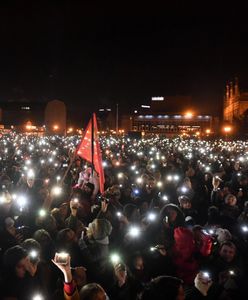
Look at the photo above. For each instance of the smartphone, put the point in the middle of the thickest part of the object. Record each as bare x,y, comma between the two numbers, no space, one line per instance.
62,258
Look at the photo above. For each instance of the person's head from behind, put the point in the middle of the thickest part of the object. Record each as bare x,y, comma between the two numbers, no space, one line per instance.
15,261
92,291
164,287
227,251
66,238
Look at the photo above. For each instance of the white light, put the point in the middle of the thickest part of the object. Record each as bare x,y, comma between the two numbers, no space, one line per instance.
136,191
139,180
151,217
119,214
28,162
38,297
245,228
22,201
176,177
42,213
134,231
120,175
165,198
115,258
2,199
133,168
56,190
152,249
231,272
104,164
33,254
30,173
205,274
184,189
157,98
159,184
169,178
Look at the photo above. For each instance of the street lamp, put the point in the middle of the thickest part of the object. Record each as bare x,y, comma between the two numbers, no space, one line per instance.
189,114
55,127
227,129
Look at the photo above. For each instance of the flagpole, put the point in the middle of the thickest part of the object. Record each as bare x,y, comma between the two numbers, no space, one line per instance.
92,144
69,166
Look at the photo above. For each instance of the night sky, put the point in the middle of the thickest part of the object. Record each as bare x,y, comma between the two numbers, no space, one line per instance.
81,52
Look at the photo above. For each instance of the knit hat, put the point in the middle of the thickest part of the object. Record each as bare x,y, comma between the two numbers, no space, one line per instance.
13,255
223,235
100,229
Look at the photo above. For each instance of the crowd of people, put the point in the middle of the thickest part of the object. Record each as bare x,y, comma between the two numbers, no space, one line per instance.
172,222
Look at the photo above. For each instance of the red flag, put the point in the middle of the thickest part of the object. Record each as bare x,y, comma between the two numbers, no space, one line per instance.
86,152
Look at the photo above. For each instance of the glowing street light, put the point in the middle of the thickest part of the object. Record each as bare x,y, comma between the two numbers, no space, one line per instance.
55,127
188,115
227,129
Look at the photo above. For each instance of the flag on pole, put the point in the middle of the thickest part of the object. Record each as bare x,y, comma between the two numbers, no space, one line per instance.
89,149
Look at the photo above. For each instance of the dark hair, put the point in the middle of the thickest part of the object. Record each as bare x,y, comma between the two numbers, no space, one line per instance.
228,244
62,238
31,244
11,258
90,291
163,287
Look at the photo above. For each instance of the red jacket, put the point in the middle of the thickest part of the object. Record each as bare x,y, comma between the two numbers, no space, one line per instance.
184,251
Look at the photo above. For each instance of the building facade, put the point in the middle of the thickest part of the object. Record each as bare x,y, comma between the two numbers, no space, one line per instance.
235,103
170,116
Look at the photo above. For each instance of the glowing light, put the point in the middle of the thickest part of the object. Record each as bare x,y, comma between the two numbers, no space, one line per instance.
33,253
30,174
115,258
42,213
188,115
165,198
205,274
227,129
56,190
37,297
245,228
151,217
134,231
159,184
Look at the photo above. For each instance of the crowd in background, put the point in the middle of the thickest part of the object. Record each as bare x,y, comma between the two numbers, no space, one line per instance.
171,224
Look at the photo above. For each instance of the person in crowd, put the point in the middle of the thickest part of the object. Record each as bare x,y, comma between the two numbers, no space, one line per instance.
174,210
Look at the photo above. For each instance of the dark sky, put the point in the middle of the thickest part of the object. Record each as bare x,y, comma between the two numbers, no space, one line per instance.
90,55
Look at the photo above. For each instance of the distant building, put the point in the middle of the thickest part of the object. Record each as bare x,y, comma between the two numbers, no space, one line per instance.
106,119
31,117
170,116
18,113
235,103
55,117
